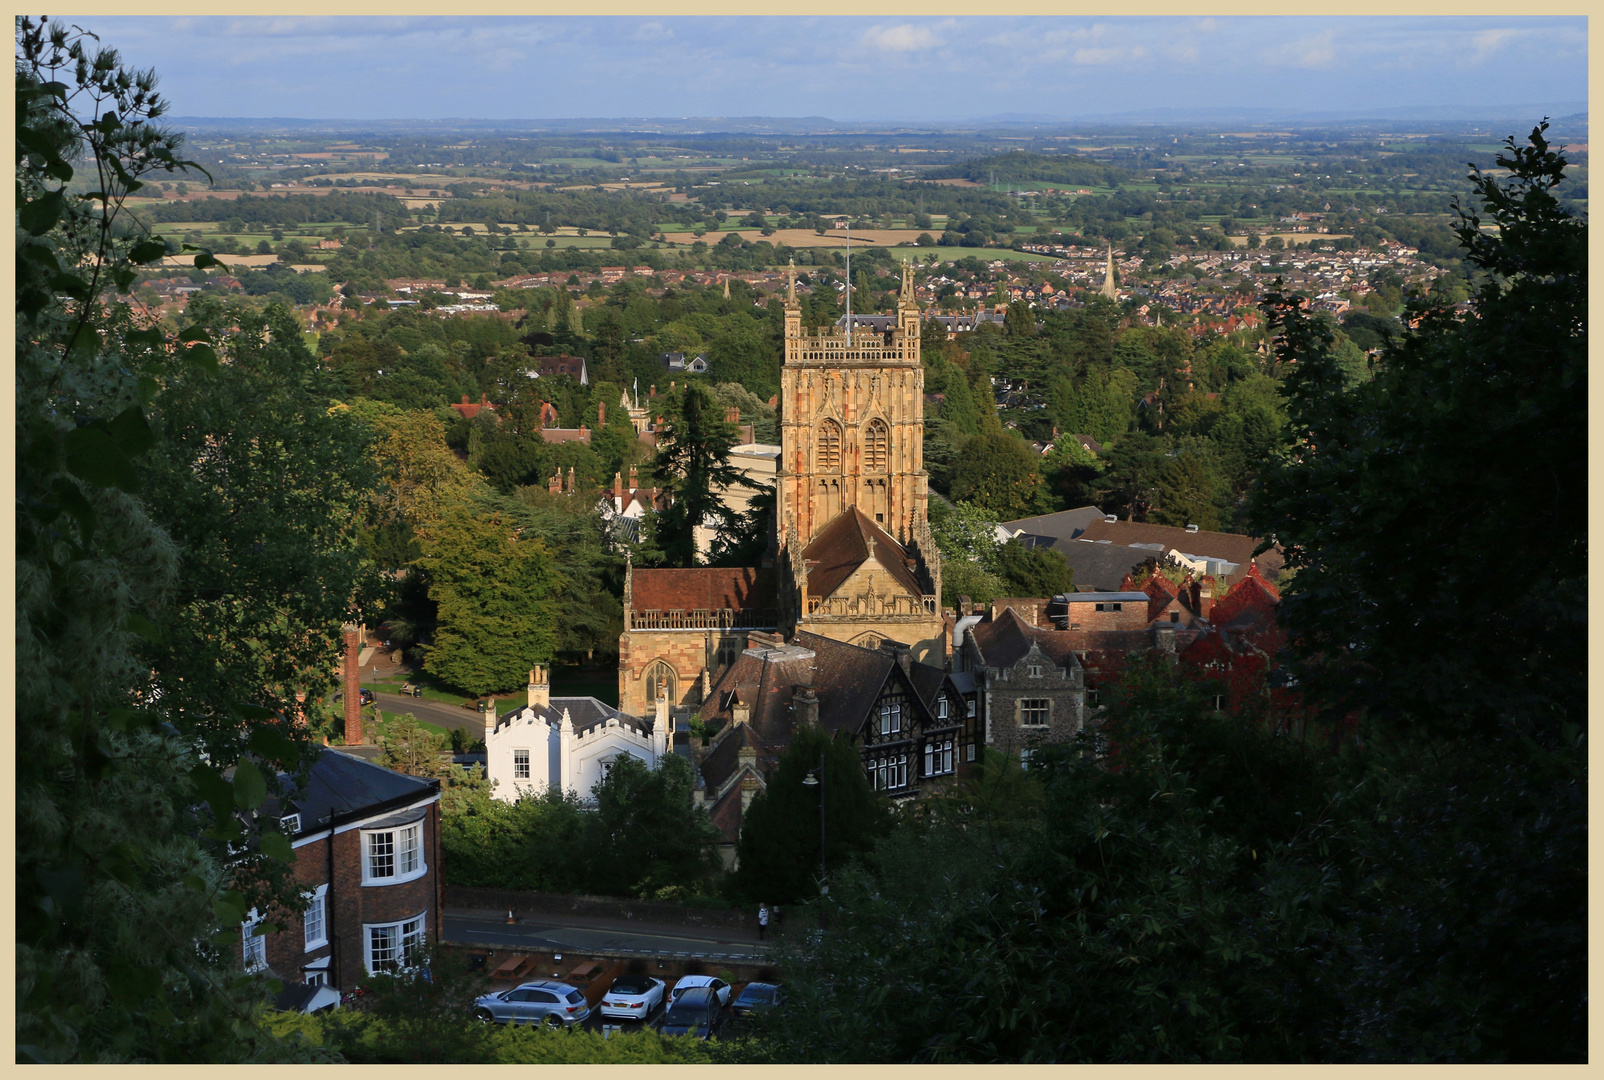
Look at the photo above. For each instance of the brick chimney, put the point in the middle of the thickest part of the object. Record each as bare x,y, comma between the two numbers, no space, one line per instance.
634,478
653,391
555,484
1205,596
539,687
601,414
805,704
570,479
618,492
732,415
353,688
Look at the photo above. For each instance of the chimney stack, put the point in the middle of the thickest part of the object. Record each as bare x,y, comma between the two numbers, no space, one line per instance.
806,707
1205,596
539,687
353,688
634,478
601,414
618,492
555,484
732,415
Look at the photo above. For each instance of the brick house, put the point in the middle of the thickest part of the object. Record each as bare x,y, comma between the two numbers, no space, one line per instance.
367,852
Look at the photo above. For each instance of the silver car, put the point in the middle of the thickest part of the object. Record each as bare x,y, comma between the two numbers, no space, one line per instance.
544,1002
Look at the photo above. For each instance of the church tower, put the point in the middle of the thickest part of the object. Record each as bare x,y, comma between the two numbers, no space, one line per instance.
852,491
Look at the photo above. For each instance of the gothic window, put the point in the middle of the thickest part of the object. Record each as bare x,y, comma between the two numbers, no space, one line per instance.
828,455
876,444
660,680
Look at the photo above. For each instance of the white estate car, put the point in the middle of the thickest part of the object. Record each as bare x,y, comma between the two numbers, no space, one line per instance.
720,988
633,997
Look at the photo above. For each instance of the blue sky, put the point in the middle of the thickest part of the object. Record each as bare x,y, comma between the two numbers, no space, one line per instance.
848,69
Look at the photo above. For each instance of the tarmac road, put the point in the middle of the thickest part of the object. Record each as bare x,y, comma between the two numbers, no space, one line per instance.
448,716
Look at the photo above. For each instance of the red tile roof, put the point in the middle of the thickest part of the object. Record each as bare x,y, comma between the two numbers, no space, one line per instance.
702,589
843,545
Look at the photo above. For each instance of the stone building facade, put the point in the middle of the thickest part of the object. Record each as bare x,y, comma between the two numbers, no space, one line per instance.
1032,685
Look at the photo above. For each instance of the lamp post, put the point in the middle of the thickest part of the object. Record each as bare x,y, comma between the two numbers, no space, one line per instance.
815,778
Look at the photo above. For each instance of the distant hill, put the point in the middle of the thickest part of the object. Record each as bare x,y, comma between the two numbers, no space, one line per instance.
1021,165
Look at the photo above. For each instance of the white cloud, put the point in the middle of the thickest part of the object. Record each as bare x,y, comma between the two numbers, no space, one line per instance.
652,31
903,38
1310,52
1490,41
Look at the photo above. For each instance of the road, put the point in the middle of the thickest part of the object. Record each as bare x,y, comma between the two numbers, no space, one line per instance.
448,716
545,933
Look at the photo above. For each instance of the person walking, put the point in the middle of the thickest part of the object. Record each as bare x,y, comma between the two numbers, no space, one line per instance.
762,922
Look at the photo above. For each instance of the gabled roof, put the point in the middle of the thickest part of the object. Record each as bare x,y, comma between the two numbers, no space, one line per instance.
702,589
1101,566
1007,639
843,545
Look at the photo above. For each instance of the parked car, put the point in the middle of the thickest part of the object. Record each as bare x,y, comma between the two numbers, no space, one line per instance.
633,997
758,996
692,982
542,1001
365,697
694,1011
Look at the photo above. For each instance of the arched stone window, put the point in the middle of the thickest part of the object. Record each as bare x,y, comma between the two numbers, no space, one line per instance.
876,447
827,454
660,679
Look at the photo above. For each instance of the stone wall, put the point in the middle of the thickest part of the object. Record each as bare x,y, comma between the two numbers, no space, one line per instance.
601,907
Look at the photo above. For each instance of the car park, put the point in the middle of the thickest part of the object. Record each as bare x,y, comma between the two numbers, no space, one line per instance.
633,997
720,988
696,1011
758,996
542,1001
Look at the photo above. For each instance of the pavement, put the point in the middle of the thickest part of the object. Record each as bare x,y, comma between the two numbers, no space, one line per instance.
600,935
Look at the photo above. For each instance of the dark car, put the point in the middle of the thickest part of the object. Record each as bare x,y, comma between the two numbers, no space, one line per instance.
694,1012
758,996
542,1001
365,697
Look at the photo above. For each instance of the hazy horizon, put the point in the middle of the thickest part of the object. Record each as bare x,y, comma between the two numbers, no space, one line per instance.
855,71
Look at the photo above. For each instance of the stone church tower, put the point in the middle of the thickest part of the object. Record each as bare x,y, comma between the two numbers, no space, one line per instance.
857,560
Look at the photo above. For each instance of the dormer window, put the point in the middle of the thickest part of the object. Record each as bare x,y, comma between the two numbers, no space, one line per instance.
290,823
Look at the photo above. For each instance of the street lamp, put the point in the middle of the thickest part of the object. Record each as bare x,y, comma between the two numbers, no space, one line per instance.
815,778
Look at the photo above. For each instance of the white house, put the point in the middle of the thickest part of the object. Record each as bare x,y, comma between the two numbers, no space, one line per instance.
567,743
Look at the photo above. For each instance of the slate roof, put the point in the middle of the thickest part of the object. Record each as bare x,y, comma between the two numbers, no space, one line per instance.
584,713
843,545
1006,640
341,786
702,589
1231,547
1064,525
1101,566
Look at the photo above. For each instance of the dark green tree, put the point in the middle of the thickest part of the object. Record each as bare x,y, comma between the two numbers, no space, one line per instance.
134,862
647,838
1034,571
778,853
996,471
693,465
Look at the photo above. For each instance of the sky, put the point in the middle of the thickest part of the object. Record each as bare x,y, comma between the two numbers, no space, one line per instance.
848,69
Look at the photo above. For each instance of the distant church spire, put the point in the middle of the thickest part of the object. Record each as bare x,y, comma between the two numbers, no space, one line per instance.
1108,278
790,283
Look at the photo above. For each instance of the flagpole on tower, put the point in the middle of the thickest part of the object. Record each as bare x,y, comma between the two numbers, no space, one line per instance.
849,282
